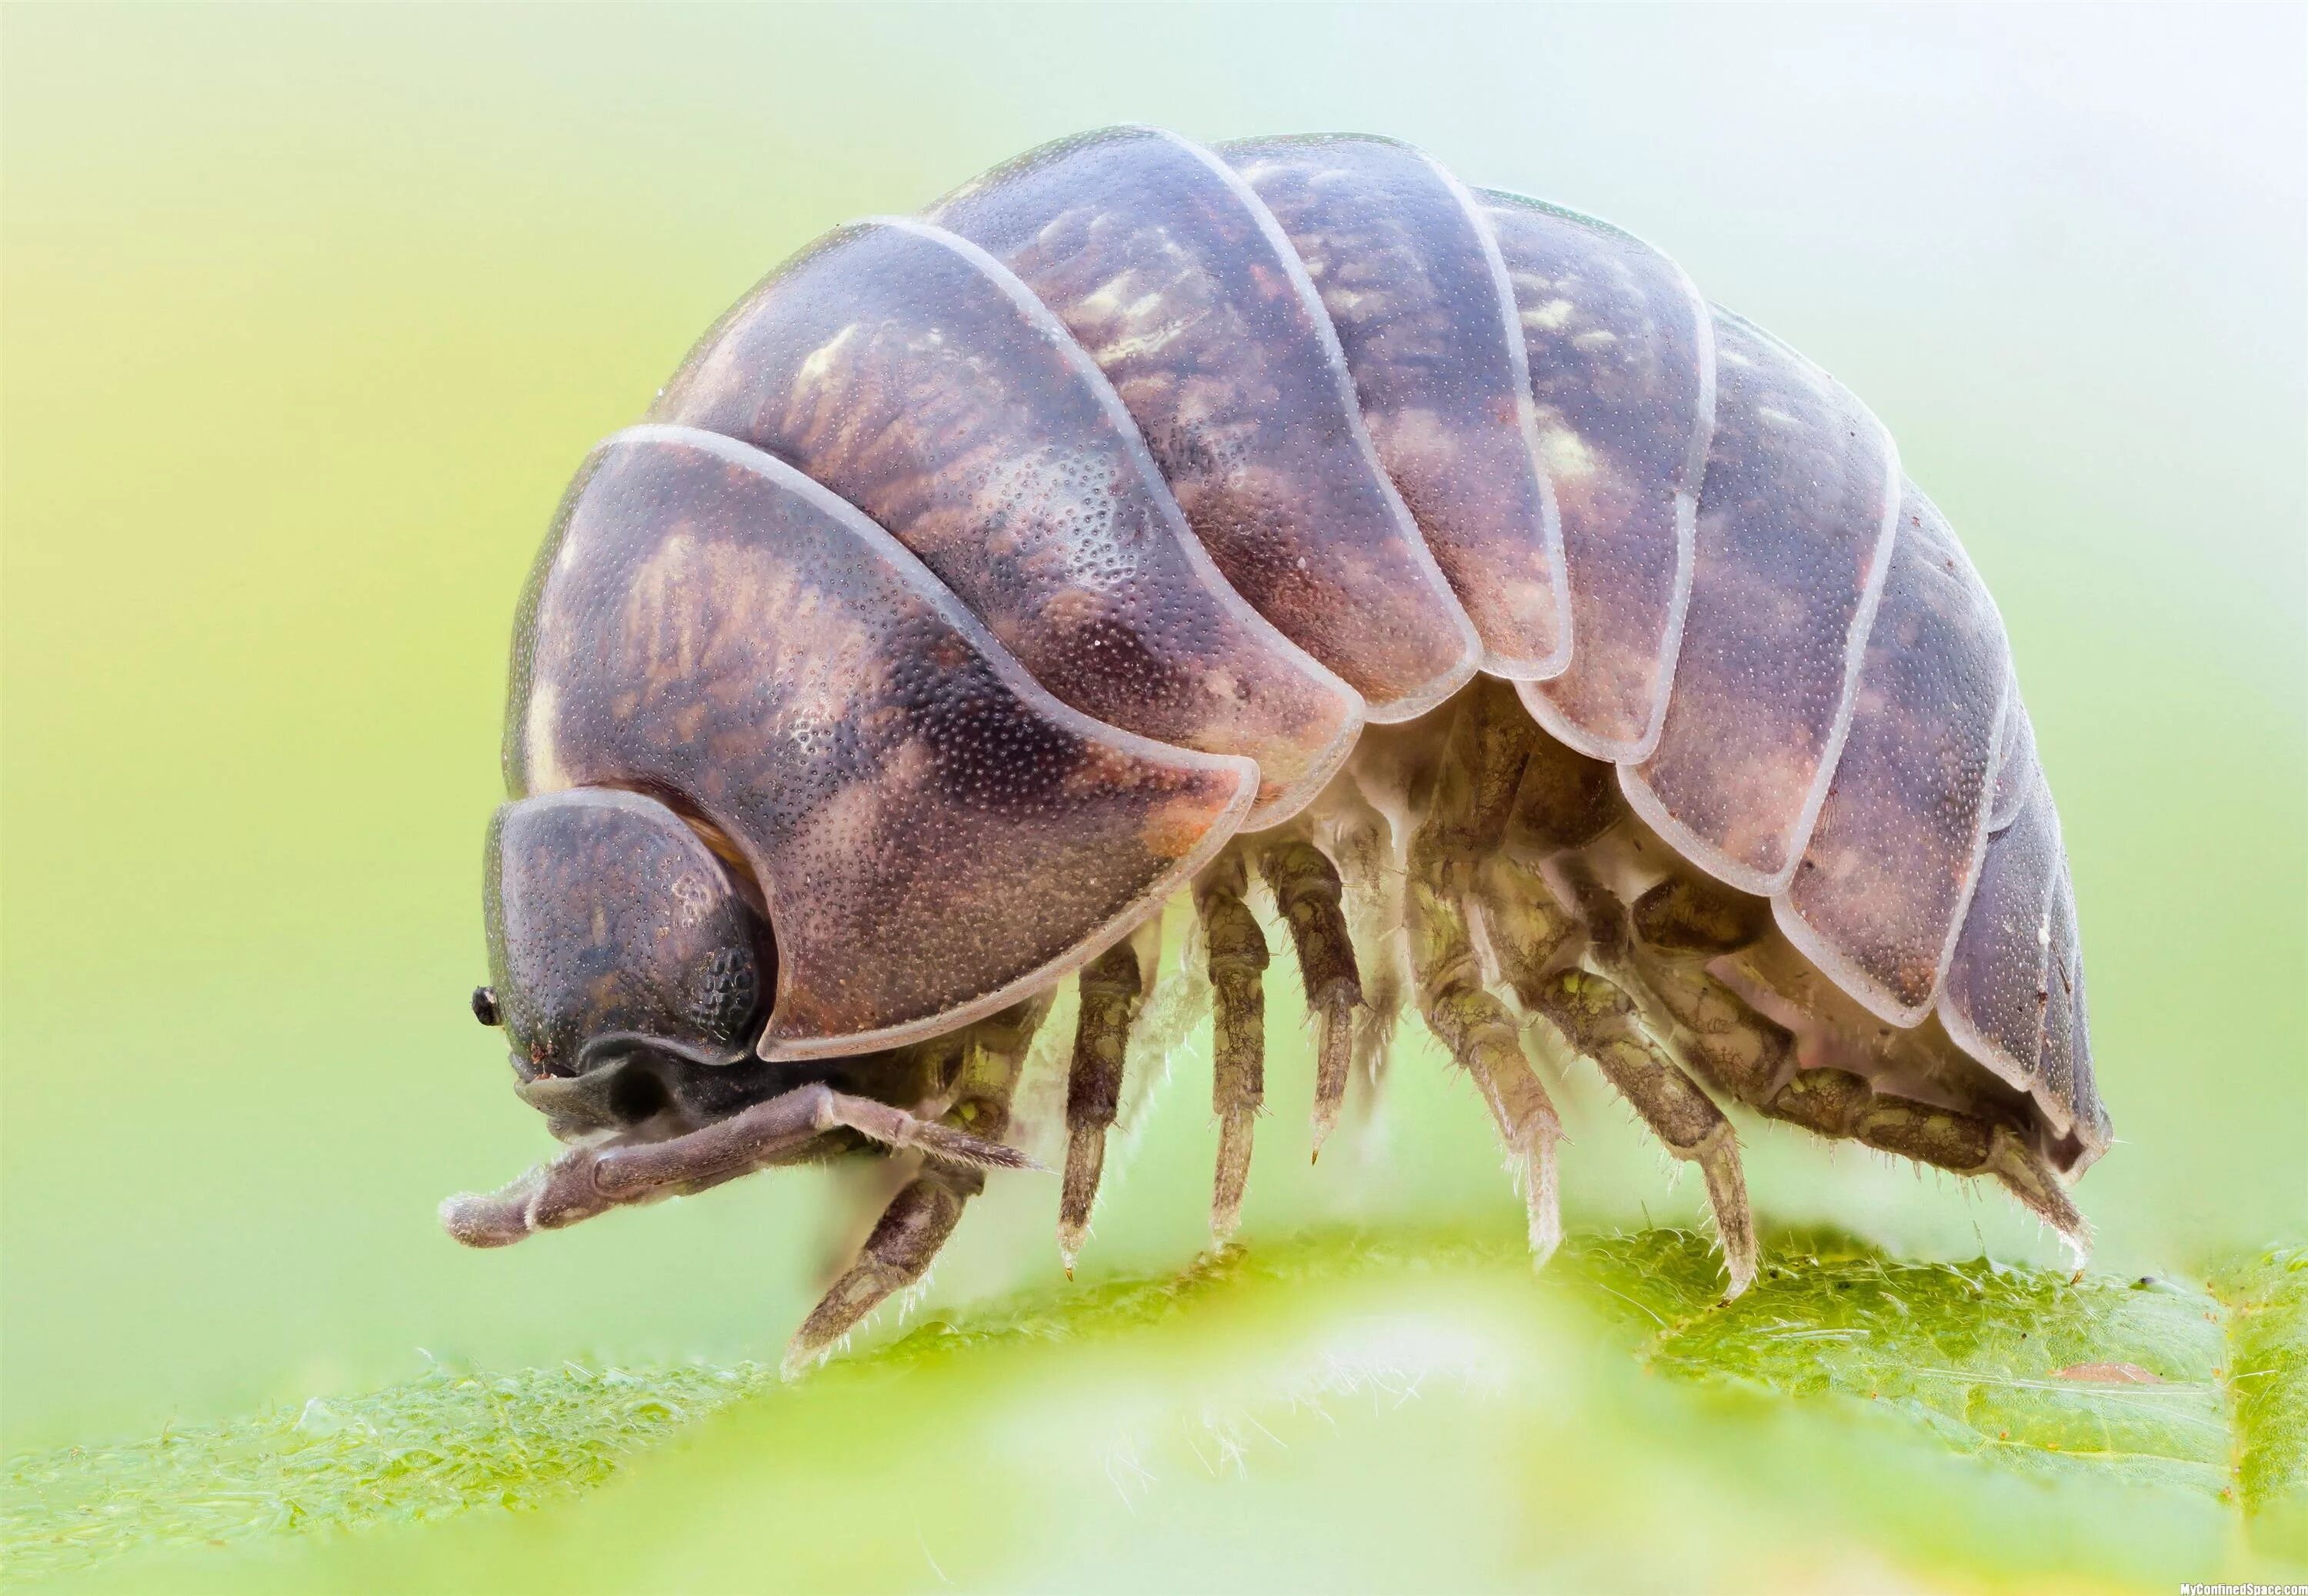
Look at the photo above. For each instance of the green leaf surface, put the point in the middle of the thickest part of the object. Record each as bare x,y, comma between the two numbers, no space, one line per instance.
1347,1410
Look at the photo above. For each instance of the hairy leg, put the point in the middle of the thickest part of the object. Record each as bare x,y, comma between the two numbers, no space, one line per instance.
1676,927
1237,950
1835,1102
920,1219
1113,988
1531,932
1307,890
1598,1020
1370,869
856,1190
1464,821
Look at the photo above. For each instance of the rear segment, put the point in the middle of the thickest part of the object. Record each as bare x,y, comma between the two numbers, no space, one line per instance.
2013,996
1880,892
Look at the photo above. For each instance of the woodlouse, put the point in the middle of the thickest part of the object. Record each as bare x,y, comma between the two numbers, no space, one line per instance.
1560,652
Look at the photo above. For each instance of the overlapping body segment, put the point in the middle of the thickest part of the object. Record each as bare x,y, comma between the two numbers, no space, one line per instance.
1621,352
988,582
1888,870
709,627
1170,274
904,369
1413,280
2013,995
2017,773
1793,542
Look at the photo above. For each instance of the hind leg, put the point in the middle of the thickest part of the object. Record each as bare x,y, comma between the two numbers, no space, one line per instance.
1531,932
1835,1102
1597,1018
1680,925
920,1219
1465,820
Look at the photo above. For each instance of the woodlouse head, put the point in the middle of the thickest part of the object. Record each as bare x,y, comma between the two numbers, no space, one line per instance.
626,966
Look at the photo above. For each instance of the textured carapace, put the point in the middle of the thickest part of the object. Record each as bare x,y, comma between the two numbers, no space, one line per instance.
708,623
1283,524
908,373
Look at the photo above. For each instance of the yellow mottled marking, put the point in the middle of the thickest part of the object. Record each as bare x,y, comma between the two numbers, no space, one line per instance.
664,627
1552,316
545,773
1567,454
820,362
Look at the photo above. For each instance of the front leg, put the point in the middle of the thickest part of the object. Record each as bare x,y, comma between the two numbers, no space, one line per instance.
920,1219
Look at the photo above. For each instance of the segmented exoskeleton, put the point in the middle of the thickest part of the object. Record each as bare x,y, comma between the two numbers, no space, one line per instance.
1563,656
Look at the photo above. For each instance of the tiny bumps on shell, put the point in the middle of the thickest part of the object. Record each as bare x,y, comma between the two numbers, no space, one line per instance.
1287,521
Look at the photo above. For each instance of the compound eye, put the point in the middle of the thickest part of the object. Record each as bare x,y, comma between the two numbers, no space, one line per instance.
485,1006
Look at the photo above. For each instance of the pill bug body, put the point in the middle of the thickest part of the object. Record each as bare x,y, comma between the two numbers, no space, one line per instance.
1557,654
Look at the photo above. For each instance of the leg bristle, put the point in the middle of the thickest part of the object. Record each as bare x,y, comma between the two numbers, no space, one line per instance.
1237,966
1236,1129
1085,1164
946,1145
1113,988
1334,1039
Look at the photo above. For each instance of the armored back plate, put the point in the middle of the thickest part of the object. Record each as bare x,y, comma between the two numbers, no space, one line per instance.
934,835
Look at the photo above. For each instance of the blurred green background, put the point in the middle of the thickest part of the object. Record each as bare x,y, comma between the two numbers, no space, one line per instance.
308,314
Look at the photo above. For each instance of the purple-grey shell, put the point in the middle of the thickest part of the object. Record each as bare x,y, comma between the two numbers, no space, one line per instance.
1172,276
904,369
1879,893
1622,358
1234,451
1793,541
707,621
1414,283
